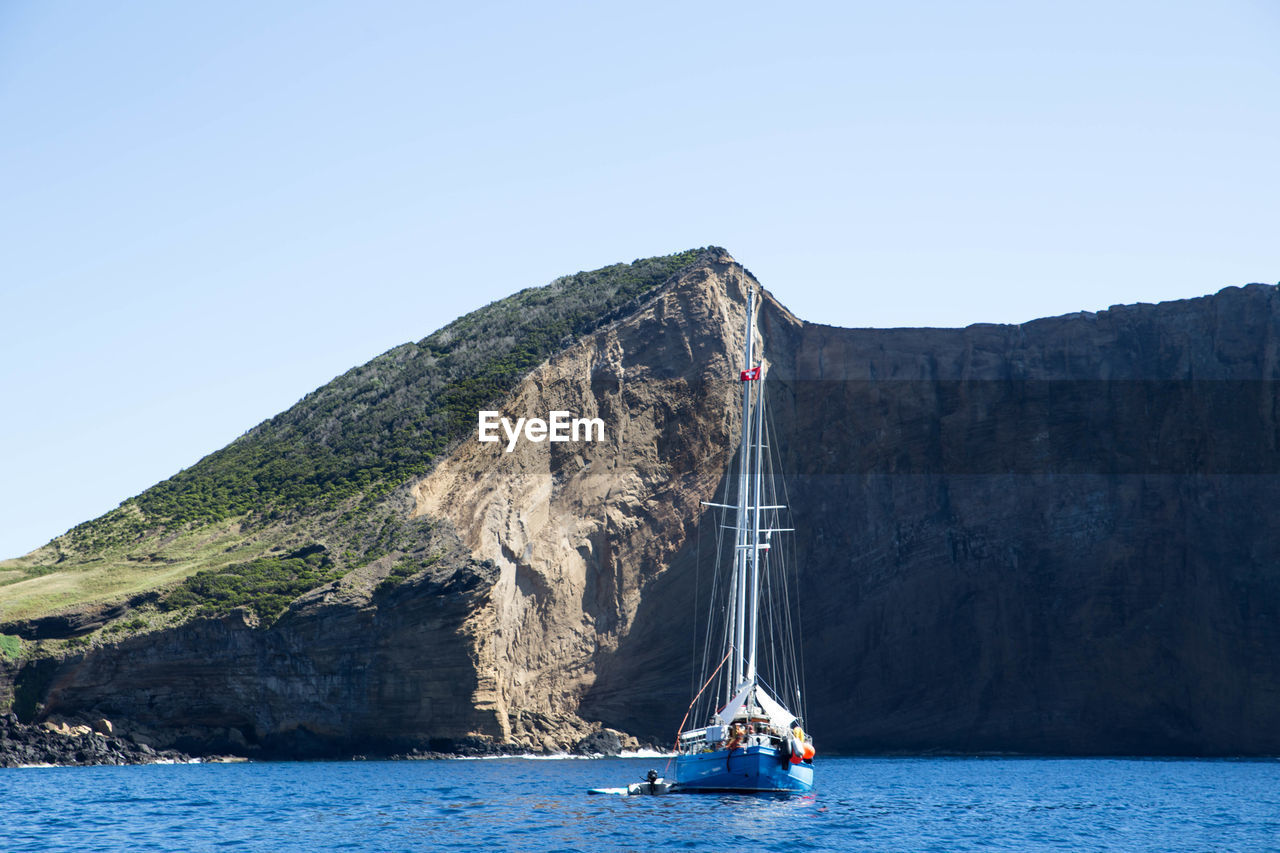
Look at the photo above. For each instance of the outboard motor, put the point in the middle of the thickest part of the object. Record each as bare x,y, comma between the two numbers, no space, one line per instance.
653,784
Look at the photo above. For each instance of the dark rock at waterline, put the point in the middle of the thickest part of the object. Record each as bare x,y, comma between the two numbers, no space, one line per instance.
25,745
603,742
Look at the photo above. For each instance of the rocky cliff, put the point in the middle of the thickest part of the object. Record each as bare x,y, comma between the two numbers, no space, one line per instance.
1050,537
508,575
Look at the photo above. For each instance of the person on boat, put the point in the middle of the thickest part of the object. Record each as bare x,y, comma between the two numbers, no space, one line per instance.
736,734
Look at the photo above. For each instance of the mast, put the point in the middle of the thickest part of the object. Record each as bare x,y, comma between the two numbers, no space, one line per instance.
741,550
755,549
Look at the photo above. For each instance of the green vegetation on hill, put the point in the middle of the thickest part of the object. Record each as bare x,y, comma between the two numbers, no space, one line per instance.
407,567
266,585
382,423
10,647
225,532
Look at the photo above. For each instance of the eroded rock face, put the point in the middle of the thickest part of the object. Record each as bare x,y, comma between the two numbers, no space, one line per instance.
338,674
573,532
580,529
1052,537
1049,537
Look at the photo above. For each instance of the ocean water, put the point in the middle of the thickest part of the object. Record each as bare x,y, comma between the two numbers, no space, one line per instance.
880,804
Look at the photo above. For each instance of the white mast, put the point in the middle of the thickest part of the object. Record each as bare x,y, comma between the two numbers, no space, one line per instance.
755,549
741,550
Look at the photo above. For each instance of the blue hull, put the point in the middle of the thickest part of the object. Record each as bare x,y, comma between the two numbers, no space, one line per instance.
755,769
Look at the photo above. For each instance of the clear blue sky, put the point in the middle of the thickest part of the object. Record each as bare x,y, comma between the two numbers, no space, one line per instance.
208,210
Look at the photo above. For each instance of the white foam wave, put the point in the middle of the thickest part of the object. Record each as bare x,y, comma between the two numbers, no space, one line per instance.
646,753
527,756
565,756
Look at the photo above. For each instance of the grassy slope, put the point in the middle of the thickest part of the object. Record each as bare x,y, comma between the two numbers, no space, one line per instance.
323,469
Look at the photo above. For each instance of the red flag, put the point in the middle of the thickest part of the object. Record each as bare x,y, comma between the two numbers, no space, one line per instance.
748,375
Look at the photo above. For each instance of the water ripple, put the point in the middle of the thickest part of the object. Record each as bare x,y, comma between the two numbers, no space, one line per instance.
946,804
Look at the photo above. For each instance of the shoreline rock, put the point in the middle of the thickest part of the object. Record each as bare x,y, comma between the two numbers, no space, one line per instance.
60,744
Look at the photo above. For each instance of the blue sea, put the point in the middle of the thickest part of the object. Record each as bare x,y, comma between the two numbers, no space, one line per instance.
880,804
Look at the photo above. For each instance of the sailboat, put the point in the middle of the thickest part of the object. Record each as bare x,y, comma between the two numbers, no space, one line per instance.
749,740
